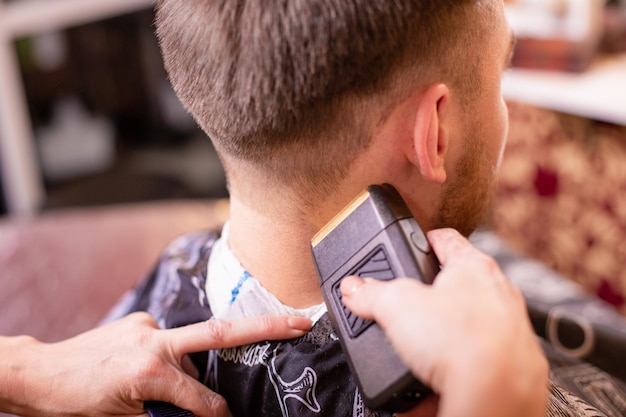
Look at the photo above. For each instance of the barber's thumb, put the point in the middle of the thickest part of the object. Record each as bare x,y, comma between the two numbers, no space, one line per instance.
351,284
360,294
378,300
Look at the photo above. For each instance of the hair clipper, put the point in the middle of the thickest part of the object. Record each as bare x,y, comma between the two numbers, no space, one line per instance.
375,236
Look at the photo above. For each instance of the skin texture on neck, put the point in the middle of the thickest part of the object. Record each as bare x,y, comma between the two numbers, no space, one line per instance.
276,250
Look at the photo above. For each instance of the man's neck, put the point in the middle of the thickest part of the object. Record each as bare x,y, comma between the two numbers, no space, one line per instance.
276,251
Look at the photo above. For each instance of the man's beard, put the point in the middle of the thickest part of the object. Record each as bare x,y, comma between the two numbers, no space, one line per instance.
466,201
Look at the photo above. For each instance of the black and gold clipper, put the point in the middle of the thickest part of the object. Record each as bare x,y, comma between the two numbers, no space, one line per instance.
375,236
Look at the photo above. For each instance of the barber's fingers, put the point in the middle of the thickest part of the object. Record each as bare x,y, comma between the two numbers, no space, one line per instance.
461,260
219,334
452,247
214,334
172,386
377,299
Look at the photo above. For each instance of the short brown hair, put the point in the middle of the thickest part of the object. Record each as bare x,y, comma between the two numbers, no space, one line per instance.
281,84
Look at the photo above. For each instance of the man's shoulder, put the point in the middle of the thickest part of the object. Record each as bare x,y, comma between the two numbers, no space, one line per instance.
174,292
190,245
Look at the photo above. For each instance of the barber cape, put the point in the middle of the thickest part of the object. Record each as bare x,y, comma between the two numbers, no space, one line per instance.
198,278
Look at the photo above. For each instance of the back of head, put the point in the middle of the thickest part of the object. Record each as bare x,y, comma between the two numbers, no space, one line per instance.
295,87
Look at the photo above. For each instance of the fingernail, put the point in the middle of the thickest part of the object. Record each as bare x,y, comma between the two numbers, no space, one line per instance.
351,285
302,324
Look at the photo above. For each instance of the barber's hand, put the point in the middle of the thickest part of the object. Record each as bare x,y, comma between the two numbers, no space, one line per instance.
467,336
111,370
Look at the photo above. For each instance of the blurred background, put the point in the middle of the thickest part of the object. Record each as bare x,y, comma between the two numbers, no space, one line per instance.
97,107
89,122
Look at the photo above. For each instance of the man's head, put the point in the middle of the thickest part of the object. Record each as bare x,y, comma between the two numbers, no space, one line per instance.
295,91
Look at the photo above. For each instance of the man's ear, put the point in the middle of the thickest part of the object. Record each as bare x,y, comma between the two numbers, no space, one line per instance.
430,140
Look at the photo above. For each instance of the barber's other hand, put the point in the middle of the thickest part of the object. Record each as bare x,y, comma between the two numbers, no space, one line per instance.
111,370
467,336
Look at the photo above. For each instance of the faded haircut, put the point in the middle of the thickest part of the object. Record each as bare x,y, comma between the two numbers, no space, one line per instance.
295,88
